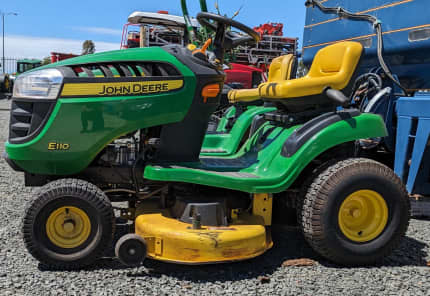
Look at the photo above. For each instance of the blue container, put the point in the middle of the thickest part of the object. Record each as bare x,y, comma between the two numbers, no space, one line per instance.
406,27
412,161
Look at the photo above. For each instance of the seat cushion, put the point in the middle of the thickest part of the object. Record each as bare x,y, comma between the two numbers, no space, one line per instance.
333,67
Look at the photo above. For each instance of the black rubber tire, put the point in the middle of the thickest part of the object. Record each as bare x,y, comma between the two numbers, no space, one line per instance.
325,195
126,242
76,193
307,181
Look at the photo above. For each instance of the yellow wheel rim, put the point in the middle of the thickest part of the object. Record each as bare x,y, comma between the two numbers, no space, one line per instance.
363,216
6,84
68,227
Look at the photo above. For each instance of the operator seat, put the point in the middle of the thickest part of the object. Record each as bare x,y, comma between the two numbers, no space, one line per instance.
333,67
280,69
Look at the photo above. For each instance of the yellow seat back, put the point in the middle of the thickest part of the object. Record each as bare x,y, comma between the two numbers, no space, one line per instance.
333,66
281,68
338,62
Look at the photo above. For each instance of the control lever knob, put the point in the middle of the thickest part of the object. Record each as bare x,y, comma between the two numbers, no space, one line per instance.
337,96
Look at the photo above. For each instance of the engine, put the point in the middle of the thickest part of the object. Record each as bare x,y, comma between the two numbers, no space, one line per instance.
122,153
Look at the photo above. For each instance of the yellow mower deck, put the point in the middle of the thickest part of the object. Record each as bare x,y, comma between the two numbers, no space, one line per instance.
171,240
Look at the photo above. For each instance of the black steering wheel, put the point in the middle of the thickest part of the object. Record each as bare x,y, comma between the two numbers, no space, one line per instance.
226,40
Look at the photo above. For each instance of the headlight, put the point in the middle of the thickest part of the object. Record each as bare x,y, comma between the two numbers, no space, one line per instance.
43,84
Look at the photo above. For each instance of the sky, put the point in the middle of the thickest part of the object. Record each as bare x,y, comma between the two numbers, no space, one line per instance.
43,26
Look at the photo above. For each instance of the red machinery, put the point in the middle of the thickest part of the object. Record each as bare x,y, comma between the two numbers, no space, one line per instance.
58,56
275,29
132,40
246,76
251,63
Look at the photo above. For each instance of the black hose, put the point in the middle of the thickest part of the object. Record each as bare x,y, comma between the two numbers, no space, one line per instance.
342,13
366,77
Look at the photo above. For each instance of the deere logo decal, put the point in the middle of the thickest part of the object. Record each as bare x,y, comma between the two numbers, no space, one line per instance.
133,89
120,88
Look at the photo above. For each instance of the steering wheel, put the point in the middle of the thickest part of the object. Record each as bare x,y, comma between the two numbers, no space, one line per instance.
226,40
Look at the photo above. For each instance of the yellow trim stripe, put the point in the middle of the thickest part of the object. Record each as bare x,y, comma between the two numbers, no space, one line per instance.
361,12
120,88
366,36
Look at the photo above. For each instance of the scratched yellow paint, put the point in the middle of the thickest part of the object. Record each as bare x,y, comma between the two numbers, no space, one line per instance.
262,206
173,241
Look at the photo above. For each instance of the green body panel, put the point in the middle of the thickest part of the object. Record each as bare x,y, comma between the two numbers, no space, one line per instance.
227,143
262,168
105,118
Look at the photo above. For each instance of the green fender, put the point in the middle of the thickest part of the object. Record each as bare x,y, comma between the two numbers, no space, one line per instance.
263,169
364,126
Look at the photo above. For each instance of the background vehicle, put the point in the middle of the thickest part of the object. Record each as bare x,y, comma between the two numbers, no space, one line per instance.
59,56
25,65
161,28
6,81
156,29
403,101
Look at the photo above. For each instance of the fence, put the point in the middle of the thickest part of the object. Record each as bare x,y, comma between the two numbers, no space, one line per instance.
9,65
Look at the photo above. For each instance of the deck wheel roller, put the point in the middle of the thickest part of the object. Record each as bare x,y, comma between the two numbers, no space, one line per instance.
131,250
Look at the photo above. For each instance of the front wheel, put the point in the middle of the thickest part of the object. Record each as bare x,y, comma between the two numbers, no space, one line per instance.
69,225
355,212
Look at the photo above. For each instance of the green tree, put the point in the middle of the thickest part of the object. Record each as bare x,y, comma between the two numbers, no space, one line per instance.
88,47
46,61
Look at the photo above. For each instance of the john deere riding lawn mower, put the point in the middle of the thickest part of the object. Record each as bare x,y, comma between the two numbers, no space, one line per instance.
91,141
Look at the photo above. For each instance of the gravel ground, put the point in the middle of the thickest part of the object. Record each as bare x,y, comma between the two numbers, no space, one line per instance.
403,273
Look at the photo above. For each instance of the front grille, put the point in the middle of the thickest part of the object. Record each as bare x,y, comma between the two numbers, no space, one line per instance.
27,119
123,69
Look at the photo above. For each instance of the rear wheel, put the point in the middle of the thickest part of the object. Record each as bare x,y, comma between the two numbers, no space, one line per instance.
355,212
69,225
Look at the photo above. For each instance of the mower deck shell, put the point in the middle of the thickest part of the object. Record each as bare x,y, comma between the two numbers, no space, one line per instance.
171,240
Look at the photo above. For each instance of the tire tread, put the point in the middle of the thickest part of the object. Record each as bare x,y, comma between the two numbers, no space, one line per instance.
314,198
51,191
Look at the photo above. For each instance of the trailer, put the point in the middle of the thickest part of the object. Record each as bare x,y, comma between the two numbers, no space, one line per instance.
147,29
59,56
